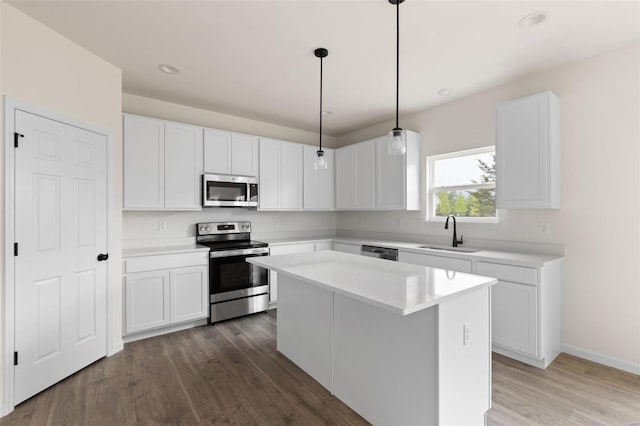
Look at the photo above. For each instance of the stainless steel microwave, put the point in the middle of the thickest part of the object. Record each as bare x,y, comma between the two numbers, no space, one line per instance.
229,191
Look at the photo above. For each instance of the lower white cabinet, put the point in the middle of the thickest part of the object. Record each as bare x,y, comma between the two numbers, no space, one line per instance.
442,262
164,290
347,248
514,316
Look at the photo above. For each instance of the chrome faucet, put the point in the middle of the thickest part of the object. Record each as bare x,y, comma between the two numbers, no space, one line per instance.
455,235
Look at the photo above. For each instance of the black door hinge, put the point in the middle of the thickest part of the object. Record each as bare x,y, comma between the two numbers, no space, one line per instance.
16,138
15,358
15,249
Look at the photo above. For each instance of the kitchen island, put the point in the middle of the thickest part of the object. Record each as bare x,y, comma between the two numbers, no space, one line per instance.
398,343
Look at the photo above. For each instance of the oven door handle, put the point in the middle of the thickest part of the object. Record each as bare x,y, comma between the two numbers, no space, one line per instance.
242,252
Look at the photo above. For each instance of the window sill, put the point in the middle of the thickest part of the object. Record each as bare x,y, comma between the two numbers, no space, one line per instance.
488,220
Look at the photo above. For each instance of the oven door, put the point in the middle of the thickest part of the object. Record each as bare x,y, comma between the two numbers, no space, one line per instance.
231,277
228,191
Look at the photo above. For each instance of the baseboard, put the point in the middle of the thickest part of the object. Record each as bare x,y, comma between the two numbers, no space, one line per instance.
164,330
602,359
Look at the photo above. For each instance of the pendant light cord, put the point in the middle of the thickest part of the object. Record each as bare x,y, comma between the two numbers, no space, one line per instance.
397,60
320,104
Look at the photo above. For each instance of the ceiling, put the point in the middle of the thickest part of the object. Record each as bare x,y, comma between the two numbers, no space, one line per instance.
255,58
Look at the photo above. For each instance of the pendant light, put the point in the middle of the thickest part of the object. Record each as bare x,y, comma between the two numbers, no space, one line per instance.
320,162
397,137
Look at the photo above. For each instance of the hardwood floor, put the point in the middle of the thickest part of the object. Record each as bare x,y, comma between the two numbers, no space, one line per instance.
232,374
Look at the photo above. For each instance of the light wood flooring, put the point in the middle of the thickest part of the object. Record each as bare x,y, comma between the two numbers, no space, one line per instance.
231,374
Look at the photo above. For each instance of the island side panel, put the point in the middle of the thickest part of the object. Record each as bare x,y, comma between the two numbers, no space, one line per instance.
385,363
304,327
464,361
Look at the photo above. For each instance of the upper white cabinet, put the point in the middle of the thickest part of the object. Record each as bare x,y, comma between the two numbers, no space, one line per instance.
230,153
182,166
281,175
318,189
355,176
528,153
162,164
368,178
398,176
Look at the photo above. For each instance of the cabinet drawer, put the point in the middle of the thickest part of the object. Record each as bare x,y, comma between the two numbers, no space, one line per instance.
441,262
165,261
292,248
346,248
516,274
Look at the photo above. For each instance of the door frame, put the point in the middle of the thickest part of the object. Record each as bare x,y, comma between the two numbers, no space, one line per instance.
12,105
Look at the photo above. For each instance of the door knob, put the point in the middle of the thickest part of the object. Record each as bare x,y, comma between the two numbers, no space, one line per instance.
103,256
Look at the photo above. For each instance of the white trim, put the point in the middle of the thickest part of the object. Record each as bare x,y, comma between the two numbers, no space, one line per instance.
603,359
430,189
8,337
164,330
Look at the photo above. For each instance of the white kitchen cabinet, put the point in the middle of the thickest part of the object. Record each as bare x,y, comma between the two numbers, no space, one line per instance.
244,155
284,249
442,262
398,176
143,162
164,291
514,316
230,153
526,311
189,291
355,176
324,245
217,151
183,166
528,153
281,175
318,191
147,300
368,178
162,165
347,248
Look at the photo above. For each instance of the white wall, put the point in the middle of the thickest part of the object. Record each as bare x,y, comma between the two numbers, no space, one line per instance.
599,222
141,228
42,68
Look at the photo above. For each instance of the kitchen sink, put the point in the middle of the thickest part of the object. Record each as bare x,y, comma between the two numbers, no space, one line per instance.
453,249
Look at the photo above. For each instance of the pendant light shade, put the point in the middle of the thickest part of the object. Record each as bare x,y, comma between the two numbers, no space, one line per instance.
320,162
397,137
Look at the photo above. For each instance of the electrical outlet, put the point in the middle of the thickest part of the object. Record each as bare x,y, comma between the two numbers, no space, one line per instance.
544,227
466,334
162,225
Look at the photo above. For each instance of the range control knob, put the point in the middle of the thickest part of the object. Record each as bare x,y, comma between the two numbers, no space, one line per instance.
206,228
245,226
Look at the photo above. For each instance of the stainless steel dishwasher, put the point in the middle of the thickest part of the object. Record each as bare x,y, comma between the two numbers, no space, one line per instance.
379,252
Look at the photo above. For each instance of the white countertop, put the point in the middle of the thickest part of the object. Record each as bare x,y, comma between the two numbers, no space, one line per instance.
399,287
159,250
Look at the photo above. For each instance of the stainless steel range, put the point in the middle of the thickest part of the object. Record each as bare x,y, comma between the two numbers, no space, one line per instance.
236,287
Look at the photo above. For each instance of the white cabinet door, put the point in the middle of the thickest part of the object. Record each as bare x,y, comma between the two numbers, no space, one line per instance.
269,189
449,263
391,178
189,291
183,166
147,296
527,153
318,184
514,317
345,178
286,249
217,151
143,163
244,155
346,248
291,176
365,175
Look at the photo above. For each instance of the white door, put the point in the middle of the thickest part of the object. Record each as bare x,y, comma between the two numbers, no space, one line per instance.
61,227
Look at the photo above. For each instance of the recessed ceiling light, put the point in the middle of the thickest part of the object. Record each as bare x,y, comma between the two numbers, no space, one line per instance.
446,92
168,69
533,19
327,112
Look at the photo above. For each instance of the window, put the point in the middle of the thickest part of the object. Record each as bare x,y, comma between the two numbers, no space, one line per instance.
462,184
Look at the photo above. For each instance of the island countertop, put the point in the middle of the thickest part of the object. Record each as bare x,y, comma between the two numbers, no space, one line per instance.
399,287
